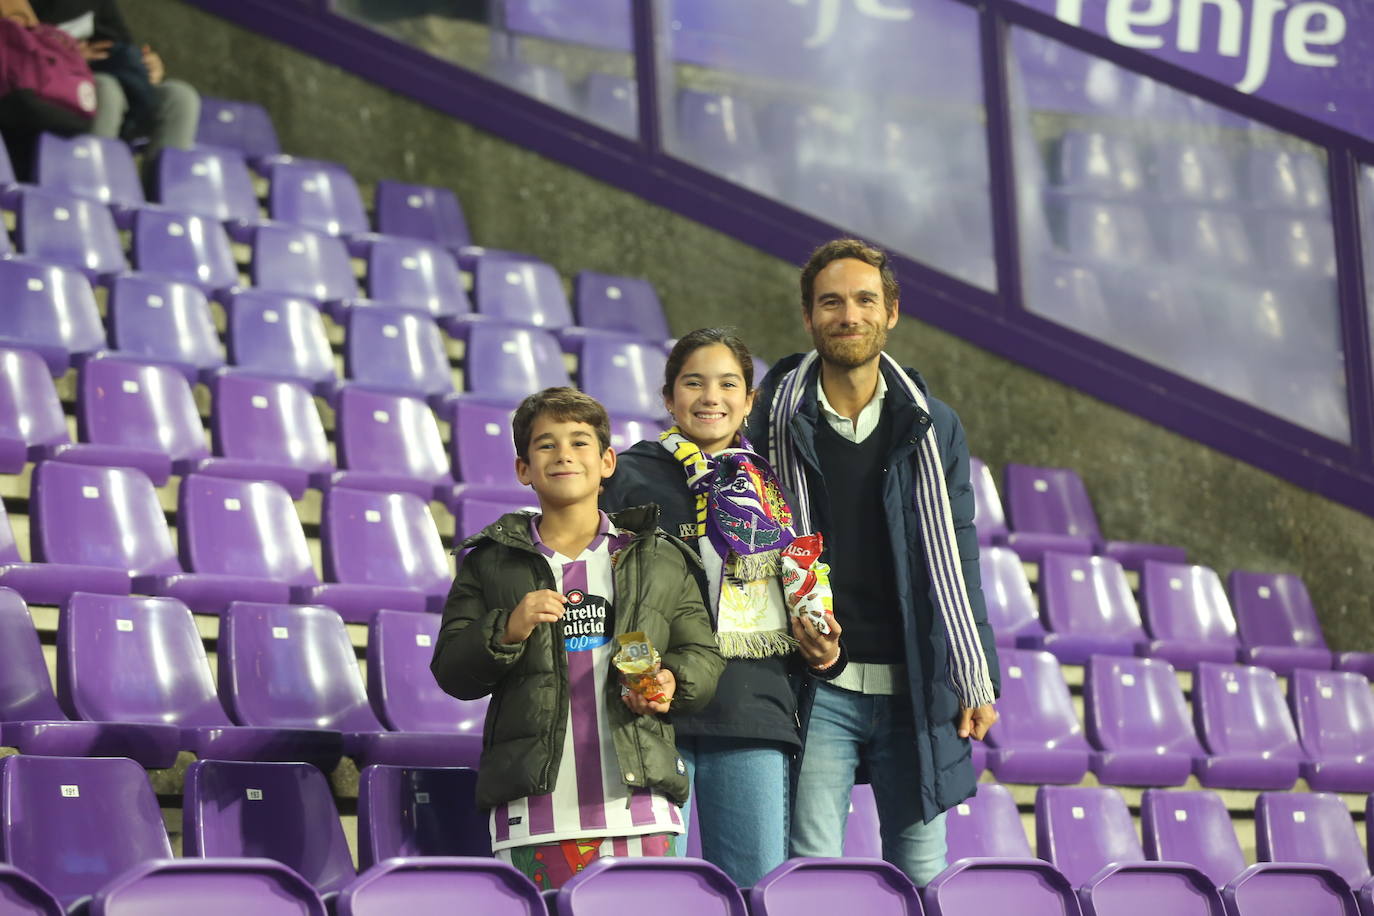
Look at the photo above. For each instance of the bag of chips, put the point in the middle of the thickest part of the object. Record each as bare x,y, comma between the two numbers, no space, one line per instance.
806,581
638,663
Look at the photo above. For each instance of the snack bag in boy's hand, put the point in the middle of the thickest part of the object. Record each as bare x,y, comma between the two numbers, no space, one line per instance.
638,663
806,581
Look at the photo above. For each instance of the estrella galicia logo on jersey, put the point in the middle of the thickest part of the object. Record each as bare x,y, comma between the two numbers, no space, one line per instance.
575,597
584,621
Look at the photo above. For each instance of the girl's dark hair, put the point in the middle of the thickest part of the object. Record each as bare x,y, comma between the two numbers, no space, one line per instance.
692,341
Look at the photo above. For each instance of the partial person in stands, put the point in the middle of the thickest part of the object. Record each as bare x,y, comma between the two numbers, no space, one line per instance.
881,469
574,767
712,489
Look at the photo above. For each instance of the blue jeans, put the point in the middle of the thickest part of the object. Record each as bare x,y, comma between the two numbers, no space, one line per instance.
740,793
845,728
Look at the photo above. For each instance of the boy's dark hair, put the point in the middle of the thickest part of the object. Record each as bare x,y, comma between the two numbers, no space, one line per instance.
838,250
566,405
692,341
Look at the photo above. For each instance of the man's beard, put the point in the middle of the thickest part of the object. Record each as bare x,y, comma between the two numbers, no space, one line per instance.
851,353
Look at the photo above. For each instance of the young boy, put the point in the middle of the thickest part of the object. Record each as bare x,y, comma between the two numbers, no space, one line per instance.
571,769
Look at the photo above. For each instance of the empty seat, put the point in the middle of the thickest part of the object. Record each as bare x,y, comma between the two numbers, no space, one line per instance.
625,304
1334,712
398,351
1310,827
483,450
473,513
1070,295
1011,607
988,515
1088,607
519,290
988,825
278,334
422,212
718,132
1292,247
402,691
316,195
430,885
1187,614
48,309
1240,715
626,431
1105,232
1084,829
827,885
612,102
165,320
414,274
1137,719
1000,886
242,126
681,887
1277,178
1093,162
622,374
208,182
20,895
221,887
293,259
1282,890
96,168
1192,827
1038,738
1278,624
65,229
1189,171
1207,239
281,811
419,811
193,249
266,429
507,363
388,442
1148,888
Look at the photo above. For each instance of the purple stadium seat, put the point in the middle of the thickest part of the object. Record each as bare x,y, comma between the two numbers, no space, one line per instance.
1281,179
547,84
218,887
624,375
1192,827
1011,606
415,274
1070,295
431,884
834,885
20,895
519,290
1191,171
1137,719
628,305
421,212
34,722
1312,828
1293,247
241,126
208,182
277,334
293,259
1239,713
473,513
678,887
1334,712
986,826
1095,163
316,195
419,811
1149,888
1188,615
508,363
49,309
266,429
718,133
142,660
193,249
1038,737
403,693
988,514
398,351
164,320
380,550
263,648
62,228
1207,239
97,168
1106,232
626,431
1278,624
612,102
1285,890
387,442
1029,887
862,833
1088,608
281,811
1084,829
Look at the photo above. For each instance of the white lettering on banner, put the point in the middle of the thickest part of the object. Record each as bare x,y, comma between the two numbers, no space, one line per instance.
1122,17
1190,26
828,16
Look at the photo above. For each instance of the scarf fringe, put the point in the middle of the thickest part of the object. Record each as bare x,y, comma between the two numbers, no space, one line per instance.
756,566
755,643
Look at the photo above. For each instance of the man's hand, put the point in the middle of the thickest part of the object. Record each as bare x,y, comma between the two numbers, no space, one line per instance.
95,50
974,723
152,62
819,650
542,606
639,704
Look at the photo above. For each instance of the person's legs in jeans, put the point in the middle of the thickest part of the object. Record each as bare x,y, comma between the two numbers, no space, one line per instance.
687,750
178,114
836,731
916,848
110,106
740,790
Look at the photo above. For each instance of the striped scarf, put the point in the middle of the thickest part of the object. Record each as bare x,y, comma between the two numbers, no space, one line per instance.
968,675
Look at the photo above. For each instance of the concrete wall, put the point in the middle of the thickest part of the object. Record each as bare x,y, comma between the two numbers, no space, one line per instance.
1147,483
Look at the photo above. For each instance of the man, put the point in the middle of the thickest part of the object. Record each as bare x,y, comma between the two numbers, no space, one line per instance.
882,471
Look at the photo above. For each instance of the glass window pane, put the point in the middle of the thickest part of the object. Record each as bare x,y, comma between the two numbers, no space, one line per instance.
1367,235
866,113
1178,232
575,55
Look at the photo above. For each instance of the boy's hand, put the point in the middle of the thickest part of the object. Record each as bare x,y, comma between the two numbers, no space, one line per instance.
542,606
640,705
819,650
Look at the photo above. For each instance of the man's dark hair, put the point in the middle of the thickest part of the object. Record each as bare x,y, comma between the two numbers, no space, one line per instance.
567,405
692,341
838,250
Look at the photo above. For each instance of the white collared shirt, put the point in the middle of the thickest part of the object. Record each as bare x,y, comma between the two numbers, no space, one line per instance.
854,431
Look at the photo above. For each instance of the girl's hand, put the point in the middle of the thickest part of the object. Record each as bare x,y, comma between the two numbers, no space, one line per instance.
819,650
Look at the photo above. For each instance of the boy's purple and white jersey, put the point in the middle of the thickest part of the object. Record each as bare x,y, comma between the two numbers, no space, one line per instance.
590,798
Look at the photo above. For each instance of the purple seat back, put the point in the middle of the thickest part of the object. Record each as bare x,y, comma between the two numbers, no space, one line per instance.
1035,709
472,514
1081,829
387,433
521,291
133,659
281,811
96,168
1296,247
716,130
279,334
1049,500
1334,712
1186,602
1011,606
988,514
194,249
612,102
1092,162
483,451
223,887
163,319
242,528
986,825
431,884
623,375
613,303
1150,888
1070,295
832,885
371,538
1289,889
25,691
1136,704
626,431
66,229
414,274
291,666
422,212
293,259
1190,171
208,182
419,811
75,823
1192,827
397,350
509,363
1274,609
1107,233
30,412
243,126
1283,179
318,196
1310,827
1239,709
268,420
95,516
1205,238
680,887
20,895
403,692
1028,887
49,309
1088,596
146,405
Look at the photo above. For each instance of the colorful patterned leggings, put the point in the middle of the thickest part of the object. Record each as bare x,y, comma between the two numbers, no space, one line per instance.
550,865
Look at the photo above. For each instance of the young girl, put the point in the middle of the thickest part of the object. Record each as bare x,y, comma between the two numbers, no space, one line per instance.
707,480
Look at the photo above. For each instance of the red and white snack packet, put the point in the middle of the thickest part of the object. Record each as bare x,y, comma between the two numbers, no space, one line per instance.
806,581
638,663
